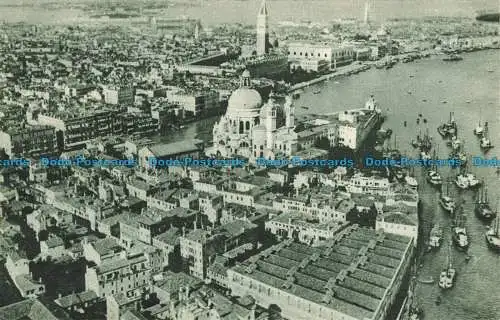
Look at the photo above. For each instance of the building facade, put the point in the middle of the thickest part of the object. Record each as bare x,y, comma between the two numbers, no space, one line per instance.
334,56
33,140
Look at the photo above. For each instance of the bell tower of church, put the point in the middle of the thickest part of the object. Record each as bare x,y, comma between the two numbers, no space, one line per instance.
262,30
289,113
270,121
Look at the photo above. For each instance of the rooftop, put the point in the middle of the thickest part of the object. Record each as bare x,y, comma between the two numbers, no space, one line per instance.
173,281
170,149
32,309
76,299
357,266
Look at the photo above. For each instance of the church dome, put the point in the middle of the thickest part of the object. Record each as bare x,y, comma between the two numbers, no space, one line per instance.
244,102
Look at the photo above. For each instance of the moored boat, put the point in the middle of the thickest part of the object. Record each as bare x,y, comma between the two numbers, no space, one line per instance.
447,203
434,178
460,236
448,129
479,130
485,142
453,57
447,276
436,237
493,235
411,182
426,280
482,207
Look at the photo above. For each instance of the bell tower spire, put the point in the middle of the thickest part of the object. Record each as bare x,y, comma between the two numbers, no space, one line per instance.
262,29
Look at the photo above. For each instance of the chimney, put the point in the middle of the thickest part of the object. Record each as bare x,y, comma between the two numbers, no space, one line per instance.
59,295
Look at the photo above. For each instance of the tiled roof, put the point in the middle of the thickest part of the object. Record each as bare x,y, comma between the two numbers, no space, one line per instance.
170,149
76,299
358,268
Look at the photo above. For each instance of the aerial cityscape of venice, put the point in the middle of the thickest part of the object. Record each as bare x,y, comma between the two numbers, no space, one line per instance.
249,160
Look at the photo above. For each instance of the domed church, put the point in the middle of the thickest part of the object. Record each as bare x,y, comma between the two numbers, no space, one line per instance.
253,129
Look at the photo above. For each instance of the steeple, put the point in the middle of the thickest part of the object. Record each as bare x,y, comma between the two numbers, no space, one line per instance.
262,29
366,16
263,9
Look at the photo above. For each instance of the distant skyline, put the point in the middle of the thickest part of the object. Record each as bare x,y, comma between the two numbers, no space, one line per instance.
244,11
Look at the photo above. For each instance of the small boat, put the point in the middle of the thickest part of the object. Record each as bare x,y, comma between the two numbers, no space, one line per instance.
447,276
493,235
182,127
425,120
409,92
317,91
438,300
411,182
485,144
460,236
453,57
435,237
448,129
462,156
424,100
415,313
445,201
461,182
482,207
418,121
479,130
426,280
420,115
303,107
455,143
425,155
434,178
399,174
468,101
405,123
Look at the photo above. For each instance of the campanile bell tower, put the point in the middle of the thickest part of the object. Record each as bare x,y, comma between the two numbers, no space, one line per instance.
262,30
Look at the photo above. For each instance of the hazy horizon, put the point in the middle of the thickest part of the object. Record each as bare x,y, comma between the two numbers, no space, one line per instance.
244,11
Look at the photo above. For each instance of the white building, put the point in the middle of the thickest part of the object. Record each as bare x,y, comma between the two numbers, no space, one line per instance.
334,55
252,129
195,102
356,125
360,183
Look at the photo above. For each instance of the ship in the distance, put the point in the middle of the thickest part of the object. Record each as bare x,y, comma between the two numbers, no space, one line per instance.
488,16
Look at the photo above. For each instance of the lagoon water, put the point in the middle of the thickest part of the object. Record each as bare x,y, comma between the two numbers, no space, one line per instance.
244,11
